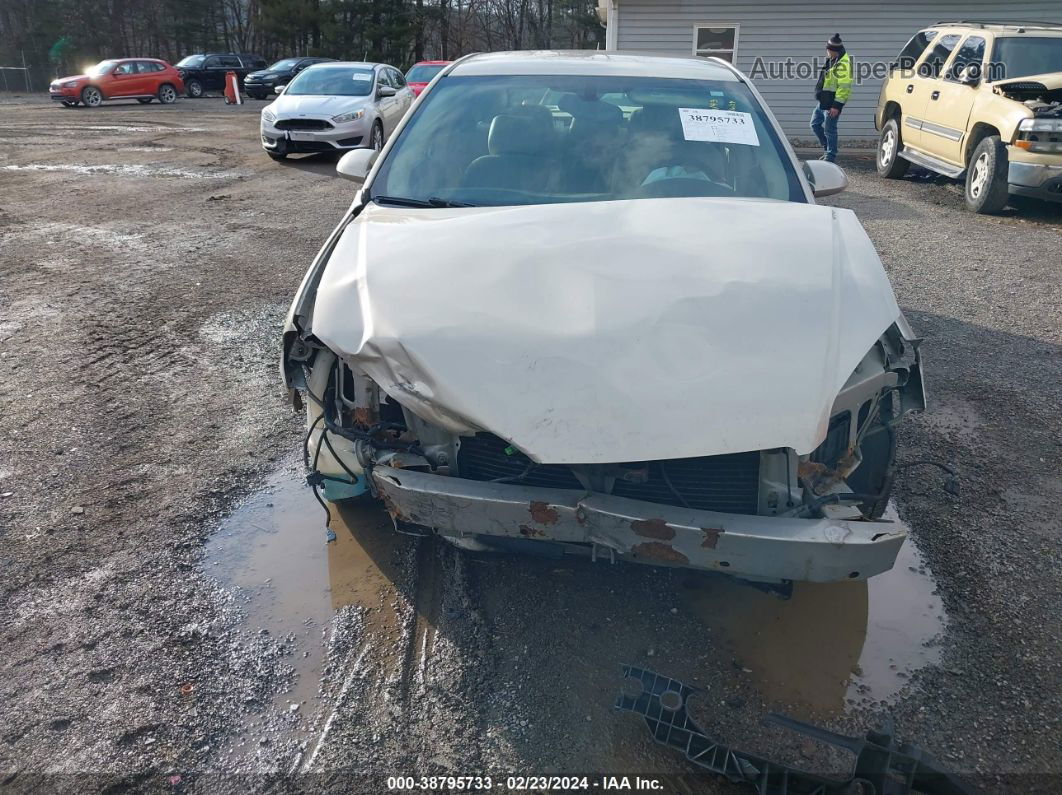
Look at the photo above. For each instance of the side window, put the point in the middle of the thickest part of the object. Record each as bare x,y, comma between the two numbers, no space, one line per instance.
213,62
147,67
230,62
127,68
914,49
383,78
716,41
397,79
934,62
972,54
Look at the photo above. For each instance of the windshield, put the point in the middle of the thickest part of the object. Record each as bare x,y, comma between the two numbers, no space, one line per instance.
102,68
1021,56
424,73
283,66
193,61
331,81
541,139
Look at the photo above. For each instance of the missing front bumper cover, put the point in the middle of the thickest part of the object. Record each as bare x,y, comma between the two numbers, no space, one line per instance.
754,547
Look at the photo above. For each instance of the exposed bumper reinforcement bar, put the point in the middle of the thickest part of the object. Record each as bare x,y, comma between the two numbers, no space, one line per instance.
754,547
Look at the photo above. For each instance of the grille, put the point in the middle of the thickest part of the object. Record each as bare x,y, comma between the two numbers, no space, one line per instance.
727,483
303,124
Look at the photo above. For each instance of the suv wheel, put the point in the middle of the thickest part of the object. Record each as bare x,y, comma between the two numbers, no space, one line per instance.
987,190
167,94
194,89
91,96
890,164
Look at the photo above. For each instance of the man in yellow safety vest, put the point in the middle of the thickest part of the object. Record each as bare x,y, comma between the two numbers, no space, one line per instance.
832,90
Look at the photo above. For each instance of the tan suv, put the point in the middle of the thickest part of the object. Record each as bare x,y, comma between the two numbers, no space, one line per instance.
981,100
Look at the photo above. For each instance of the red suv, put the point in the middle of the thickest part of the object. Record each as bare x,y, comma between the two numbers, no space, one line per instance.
421,74
142,79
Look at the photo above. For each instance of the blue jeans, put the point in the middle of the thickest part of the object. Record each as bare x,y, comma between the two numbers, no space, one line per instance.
825,129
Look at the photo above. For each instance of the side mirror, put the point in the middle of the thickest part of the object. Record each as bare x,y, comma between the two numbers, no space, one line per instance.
385,91
826,178
970,75
356,164
279,89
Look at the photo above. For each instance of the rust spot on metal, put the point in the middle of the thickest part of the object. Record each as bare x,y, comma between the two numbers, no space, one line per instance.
711,536
364,415
657,550
531,532
542,513
391,507
653,528
809,470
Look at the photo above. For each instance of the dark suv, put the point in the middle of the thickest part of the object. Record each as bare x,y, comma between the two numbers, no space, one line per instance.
206,71
262,85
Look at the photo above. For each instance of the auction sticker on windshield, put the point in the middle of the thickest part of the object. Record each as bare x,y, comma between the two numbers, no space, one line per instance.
718,126
361,76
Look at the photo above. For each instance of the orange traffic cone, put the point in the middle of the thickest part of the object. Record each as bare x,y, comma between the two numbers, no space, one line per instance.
232,89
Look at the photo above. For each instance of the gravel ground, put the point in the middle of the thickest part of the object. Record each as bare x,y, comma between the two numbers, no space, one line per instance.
170,617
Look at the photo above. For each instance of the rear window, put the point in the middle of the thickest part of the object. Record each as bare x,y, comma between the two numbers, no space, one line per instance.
424,73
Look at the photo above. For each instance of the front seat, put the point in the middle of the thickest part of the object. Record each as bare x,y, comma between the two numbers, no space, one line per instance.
522,155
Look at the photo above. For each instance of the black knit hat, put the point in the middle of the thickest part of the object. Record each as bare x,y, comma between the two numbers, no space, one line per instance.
834,42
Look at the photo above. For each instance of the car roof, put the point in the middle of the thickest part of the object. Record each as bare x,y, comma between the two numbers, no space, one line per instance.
594,62
364,64
1003,28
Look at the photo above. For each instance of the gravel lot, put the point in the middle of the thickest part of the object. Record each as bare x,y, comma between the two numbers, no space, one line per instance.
171,618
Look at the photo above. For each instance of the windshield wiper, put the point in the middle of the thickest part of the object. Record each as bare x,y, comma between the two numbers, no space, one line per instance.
431,201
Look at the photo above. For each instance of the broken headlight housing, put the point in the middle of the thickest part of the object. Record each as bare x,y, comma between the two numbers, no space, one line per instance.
1040,135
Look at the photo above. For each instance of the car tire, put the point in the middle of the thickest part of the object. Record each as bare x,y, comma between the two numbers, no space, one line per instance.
376,137
167,94
194,89
143,100
91,97
890,164
987,190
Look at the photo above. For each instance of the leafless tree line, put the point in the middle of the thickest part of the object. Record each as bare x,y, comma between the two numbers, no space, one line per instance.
60,36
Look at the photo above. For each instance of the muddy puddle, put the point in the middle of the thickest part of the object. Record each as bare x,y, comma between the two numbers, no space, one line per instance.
126,170
273,552
830,646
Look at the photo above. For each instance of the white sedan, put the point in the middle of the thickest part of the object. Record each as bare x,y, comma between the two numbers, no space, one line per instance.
588,301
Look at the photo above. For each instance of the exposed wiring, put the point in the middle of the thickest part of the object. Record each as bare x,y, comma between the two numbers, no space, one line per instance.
306,441
513,478
926,462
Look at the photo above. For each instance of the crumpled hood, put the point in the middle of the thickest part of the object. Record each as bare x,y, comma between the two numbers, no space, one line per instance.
610,331
289,107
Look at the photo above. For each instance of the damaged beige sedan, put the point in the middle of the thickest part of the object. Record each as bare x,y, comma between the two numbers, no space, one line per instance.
586,302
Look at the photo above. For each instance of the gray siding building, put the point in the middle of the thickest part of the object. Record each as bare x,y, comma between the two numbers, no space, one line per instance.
759,37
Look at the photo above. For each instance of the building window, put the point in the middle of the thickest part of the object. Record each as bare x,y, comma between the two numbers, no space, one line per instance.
716,40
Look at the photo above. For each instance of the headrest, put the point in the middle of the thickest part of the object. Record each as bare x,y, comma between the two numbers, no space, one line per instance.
657,119
520,135
590,110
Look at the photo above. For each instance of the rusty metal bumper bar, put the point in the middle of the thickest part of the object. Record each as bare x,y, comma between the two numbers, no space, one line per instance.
754,547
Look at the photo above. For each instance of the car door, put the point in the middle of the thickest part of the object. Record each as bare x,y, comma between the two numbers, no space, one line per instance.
944,128
149,76
386,107
405,93
927,79
123,81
